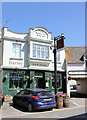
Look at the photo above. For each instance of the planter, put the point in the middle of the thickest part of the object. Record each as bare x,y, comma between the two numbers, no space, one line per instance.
66,101
8,98
59,102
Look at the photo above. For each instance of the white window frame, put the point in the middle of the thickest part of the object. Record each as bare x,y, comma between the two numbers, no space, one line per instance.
44,46
15,56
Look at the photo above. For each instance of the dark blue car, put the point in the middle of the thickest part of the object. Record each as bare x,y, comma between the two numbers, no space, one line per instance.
35,98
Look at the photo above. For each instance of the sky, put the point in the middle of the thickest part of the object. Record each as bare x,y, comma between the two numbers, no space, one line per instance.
56,17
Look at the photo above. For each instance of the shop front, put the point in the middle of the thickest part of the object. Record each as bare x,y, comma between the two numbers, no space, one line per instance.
15,80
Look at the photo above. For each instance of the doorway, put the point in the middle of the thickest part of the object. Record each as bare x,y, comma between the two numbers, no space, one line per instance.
40,82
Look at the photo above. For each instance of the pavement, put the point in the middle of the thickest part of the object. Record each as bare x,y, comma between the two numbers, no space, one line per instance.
77,106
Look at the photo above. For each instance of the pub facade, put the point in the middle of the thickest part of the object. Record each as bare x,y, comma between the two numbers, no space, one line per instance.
27,61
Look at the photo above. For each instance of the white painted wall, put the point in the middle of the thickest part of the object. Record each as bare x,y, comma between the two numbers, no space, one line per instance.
61,63
38,36
7,55
10,34
81,86
76,67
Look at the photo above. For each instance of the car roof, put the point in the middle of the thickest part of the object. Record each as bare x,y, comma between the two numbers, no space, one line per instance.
36,89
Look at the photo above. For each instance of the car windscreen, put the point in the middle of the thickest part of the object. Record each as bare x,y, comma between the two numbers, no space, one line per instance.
44,93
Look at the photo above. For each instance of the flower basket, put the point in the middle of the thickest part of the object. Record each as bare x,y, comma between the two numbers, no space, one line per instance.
5,77
7,98
69,78
27,77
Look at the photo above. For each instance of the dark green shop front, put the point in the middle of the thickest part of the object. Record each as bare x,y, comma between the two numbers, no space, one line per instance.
15,80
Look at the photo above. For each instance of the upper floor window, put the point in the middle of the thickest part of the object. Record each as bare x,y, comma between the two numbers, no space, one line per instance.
16,50
40,51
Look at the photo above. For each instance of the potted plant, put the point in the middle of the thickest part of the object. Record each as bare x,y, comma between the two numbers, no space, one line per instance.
66,102
59,100
7,98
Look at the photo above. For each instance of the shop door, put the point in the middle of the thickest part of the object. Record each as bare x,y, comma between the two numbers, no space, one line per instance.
41,83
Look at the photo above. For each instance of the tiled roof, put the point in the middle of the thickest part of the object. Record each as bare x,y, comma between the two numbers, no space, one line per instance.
74,54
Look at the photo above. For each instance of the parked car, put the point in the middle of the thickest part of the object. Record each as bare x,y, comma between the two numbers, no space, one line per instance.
35,98
1,99
74,87
71,87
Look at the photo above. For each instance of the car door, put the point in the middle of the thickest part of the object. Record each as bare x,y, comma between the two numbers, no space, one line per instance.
26,97
19,97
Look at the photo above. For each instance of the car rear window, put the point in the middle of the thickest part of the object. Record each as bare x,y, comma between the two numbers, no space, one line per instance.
46,93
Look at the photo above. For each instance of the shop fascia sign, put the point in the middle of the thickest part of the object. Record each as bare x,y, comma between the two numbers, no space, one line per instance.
15,63
77,72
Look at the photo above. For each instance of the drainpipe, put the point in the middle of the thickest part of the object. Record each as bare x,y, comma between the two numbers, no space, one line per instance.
67,82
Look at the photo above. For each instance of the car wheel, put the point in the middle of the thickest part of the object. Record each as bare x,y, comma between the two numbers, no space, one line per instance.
30,107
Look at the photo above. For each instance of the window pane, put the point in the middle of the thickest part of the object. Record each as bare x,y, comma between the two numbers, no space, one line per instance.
34,53
38,47
16,50
38,54
46,52
16,79
34,47
42,52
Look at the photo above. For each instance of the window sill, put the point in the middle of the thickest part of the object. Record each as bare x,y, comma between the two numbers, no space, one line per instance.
13,89
16,59
39,59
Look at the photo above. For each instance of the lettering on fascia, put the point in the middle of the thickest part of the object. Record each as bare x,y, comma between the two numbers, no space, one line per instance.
39,65
15,63
40,34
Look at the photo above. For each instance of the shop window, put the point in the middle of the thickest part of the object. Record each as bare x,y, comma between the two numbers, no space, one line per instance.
59,81
40,52
16,51
15,79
